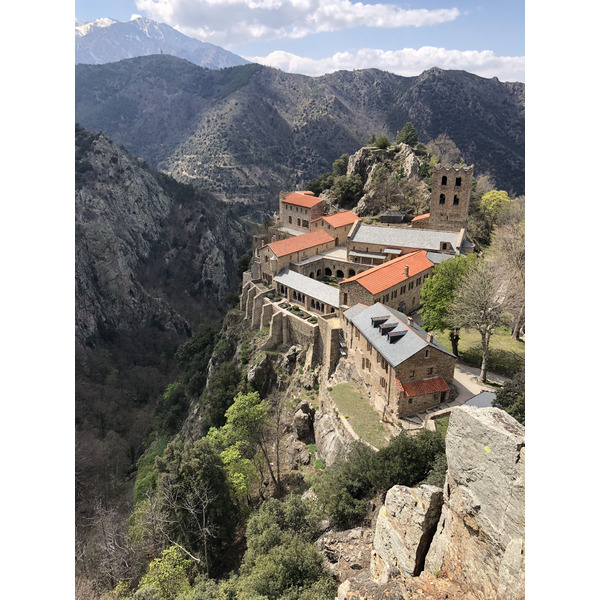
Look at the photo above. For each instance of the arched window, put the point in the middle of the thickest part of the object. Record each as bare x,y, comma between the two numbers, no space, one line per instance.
444,180
351,273
339,274
455,200
458,181
442,198
318,272
328,272
312,275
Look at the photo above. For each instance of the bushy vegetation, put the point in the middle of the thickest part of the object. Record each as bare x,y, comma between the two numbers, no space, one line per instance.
345,488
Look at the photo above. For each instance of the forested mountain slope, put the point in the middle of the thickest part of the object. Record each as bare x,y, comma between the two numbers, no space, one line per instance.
247,132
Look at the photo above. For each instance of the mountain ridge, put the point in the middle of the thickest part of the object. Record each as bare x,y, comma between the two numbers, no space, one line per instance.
246,132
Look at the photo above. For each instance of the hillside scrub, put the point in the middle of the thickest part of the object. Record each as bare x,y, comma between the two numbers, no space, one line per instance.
345,488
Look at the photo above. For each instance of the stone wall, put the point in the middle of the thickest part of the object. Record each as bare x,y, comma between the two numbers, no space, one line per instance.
451,214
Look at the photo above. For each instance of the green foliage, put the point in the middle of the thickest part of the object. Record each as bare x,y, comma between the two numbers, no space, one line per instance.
147,473
382,142
511,397
280,560
408,135
438,291
340,165
437,474
195,497
171,409
204,589
344,488
407,459
193,357
322,183
494,203
223,386
167,574
347,190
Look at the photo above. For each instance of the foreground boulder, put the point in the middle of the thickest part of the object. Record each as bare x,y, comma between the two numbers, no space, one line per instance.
405,526
480,538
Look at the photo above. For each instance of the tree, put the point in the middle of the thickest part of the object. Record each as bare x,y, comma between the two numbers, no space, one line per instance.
347,190
408,135
511,397
438,292
199,514
247,425
340,165
478,304
444,150
507,251
382,142
495,204
168,574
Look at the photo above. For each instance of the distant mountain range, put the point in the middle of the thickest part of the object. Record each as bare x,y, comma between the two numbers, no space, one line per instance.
106,40
247,132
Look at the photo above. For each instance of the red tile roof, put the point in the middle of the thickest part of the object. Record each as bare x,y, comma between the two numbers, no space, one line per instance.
435,385
388,274
340,219
305,199
300,242
425,216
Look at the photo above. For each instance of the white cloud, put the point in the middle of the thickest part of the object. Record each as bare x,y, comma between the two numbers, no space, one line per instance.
407,62
237,21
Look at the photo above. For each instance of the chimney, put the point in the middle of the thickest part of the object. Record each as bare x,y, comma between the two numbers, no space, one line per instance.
429,337
405,270
410,320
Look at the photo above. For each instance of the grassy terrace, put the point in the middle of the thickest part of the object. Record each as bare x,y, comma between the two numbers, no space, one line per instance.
506,354
357,410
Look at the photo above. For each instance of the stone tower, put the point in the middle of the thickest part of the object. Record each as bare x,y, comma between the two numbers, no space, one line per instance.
450,195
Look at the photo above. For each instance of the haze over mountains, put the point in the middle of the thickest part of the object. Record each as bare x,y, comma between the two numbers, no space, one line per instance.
106,40
247,132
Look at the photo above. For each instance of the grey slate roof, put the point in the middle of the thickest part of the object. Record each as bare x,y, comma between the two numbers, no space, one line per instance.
481,400
438,257
392,336
424,239
310,287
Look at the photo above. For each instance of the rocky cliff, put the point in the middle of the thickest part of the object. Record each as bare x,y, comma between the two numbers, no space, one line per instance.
465,541
149,252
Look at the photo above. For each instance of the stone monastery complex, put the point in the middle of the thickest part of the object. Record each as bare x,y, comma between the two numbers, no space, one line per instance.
344,290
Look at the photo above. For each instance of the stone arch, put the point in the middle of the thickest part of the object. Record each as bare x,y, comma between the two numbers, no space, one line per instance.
442,198
339,274
311,275
327,272
351,273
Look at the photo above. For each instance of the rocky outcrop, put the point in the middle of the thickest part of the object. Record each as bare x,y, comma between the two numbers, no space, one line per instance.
480,539
330,437
477,550
346,552
405,526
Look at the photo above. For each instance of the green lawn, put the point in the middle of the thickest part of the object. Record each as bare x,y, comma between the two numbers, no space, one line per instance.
357,410
506,355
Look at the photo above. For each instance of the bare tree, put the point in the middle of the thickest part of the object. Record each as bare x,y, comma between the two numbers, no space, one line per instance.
479,303
507,251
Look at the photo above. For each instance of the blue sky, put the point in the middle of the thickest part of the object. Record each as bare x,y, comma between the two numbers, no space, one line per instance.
486,37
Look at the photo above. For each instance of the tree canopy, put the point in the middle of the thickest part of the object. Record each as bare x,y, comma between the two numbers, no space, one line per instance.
408,135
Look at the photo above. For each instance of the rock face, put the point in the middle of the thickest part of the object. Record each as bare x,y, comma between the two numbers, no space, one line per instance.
330,438
477,550
346,552
405,526
480,538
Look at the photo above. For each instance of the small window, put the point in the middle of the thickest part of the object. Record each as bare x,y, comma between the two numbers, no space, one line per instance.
458,182
455,200
444,180
442,198
427,353
412,374
290,218
410,400
430,371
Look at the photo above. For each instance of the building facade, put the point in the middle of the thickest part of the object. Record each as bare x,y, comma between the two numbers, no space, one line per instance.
298,209
450,197
408,370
